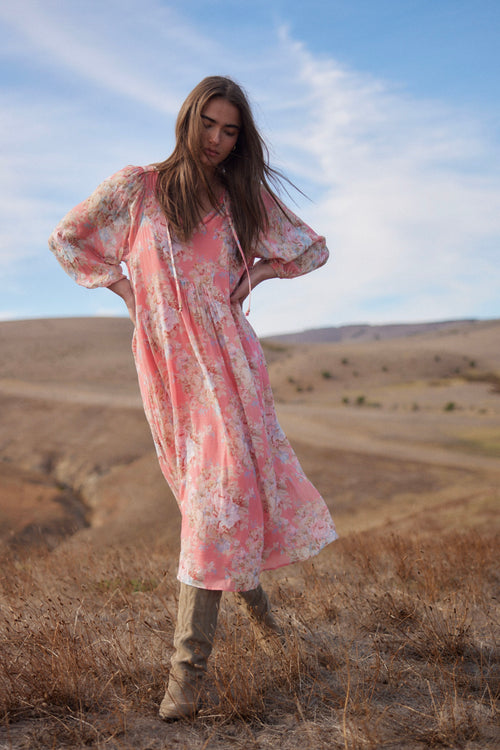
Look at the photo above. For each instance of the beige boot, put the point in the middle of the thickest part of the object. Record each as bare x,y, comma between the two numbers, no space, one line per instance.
256,603
193,640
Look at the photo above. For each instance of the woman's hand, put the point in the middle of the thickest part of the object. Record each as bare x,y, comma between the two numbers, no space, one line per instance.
123,289
260,271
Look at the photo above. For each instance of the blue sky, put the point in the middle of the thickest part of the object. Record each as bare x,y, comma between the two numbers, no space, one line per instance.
385,112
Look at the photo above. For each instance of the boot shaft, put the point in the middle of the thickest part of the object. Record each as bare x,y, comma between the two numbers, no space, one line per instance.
196,624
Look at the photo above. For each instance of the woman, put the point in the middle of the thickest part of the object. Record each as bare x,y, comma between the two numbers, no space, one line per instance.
197,232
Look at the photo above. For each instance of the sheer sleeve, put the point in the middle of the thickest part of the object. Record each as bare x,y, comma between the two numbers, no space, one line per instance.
94,237
291,246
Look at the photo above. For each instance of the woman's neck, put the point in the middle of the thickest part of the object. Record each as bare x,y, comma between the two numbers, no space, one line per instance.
212,179
212,189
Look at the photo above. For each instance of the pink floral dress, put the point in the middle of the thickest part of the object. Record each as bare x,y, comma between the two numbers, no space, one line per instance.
246,504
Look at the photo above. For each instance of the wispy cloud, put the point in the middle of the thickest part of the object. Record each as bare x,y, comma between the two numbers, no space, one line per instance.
107,45
406,194
404,189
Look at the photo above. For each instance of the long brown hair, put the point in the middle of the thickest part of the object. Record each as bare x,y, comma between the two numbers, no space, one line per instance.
244,173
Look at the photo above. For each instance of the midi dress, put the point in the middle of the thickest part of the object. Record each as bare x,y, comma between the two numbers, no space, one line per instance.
245,502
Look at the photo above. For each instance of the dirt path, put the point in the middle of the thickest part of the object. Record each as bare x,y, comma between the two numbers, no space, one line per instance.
389,435
362,432
69,394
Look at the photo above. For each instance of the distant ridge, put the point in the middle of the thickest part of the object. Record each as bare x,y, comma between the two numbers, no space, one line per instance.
366,332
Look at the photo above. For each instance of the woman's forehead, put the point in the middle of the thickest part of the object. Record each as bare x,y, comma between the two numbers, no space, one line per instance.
222,112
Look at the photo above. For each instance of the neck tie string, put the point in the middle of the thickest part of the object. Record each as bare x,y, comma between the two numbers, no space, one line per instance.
233,230
174,271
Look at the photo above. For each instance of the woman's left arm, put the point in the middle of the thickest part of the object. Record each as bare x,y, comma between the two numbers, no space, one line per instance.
259,272
290,246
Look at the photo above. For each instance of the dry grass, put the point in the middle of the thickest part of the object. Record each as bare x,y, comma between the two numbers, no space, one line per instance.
391,643
391,638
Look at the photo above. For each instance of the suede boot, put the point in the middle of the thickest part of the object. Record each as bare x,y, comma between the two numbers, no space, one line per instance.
193,641
257,605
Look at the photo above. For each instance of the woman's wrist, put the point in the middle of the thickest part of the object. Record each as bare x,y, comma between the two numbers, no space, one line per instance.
122,288
264,271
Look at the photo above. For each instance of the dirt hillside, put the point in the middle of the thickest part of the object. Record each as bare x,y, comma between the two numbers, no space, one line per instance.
384,426
391,633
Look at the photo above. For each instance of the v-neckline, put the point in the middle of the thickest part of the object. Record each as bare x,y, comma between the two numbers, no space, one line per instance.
215,209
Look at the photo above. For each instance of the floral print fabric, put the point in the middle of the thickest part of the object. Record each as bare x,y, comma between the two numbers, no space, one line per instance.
245,502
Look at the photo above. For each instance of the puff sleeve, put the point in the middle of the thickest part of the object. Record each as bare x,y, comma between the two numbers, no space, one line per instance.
93,239
291,246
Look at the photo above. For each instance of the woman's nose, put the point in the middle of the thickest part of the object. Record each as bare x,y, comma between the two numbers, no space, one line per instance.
215,136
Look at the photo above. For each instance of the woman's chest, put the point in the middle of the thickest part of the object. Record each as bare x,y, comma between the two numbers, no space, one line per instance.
208,257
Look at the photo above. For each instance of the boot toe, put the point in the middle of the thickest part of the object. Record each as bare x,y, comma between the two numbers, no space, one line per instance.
180,700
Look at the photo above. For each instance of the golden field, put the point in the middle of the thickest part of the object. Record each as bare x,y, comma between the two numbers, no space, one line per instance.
392,631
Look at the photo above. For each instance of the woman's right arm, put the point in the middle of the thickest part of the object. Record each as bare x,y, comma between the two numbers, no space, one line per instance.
93,238
123,289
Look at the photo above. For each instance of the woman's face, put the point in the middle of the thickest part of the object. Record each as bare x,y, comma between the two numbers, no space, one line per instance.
221,125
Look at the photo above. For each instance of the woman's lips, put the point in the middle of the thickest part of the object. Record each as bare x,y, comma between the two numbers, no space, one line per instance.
211,154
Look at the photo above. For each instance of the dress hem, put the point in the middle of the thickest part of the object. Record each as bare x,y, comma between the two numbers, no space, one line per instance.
264,568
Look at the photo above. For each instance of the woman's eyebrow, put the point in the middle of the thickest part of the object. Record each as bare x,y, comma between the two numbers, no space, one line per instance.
227,125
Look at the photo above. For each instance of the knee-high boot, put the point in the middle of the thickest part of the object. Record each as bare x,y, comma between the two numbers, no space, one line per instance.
193,641
256,602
